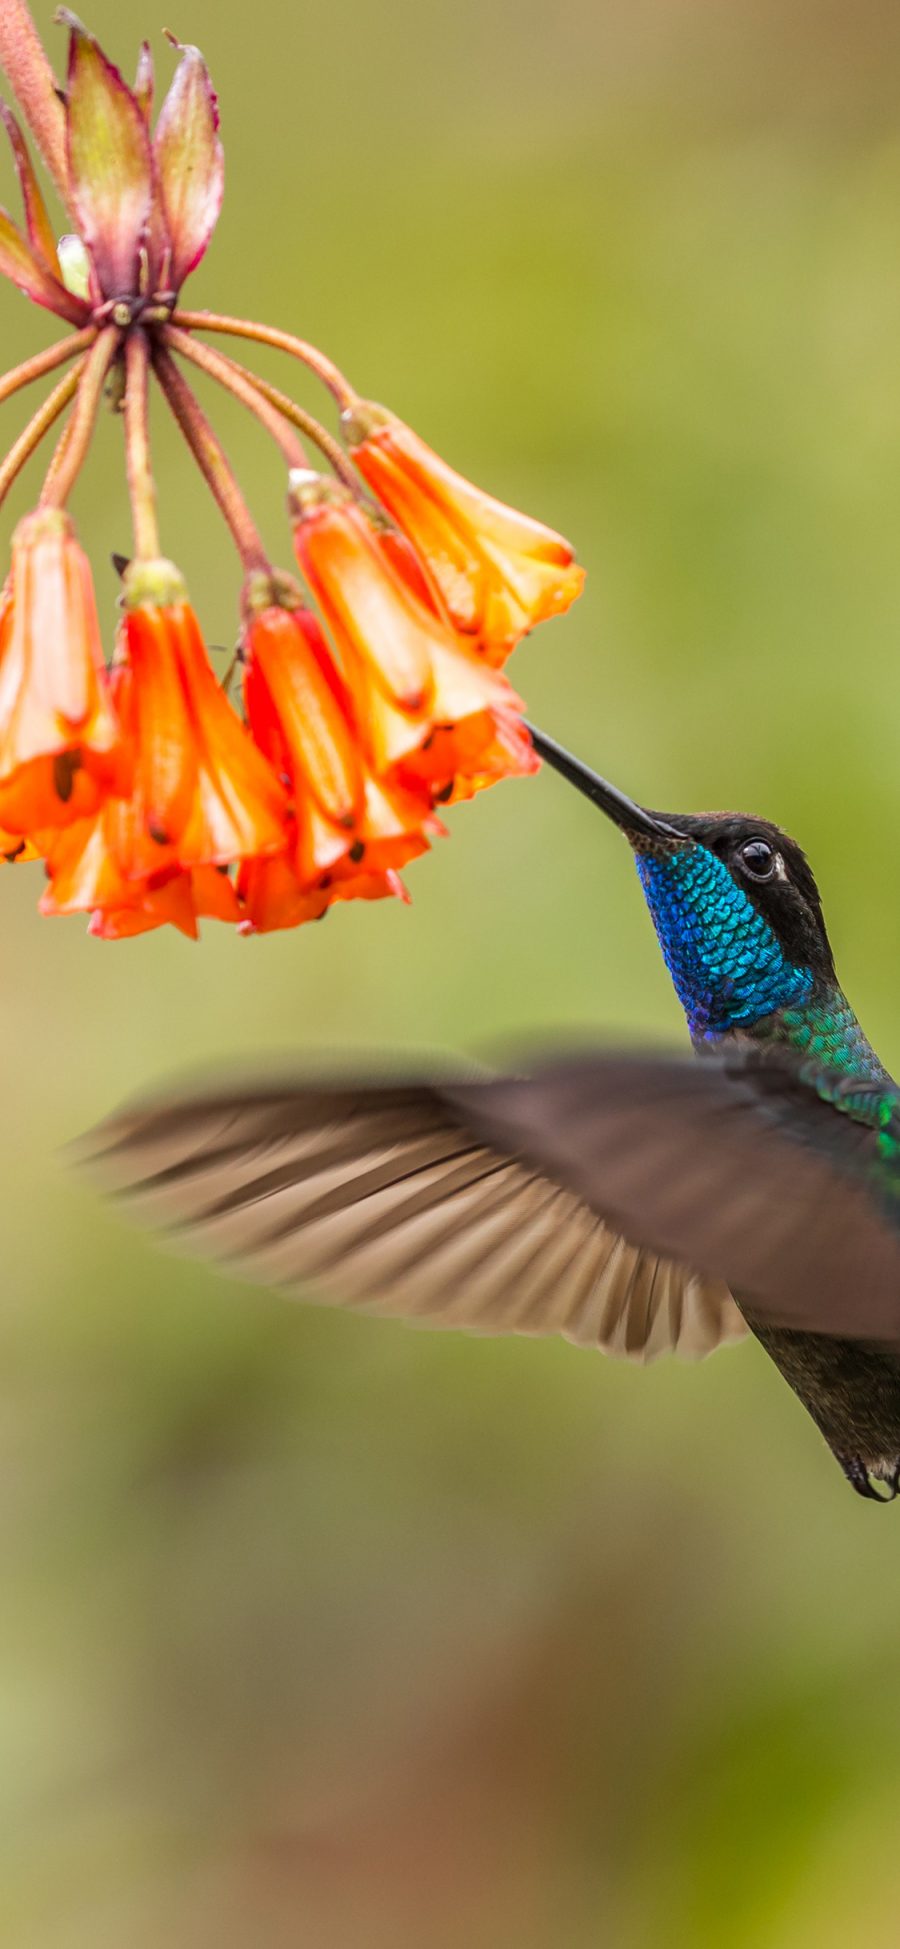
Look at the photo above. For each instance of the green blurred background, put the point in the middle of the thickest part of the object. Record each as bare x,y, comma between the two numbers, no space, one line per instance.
316,1631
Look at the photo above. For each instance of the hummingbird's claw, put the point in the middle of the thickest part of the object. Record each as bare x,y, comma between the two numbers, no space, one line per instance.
860,1479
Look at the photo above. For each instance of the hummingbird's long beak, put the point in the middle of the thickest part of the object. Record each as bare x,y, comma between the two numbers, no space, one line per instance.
624,812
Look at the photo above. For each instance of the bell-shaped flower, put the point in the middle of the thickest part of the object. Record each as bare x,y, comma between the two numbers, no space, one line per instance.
202,792
499,572
347,824
58,729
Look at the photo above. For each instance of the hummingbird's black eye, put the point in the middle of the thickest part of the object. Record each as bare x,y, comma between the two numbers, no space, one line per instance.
758,858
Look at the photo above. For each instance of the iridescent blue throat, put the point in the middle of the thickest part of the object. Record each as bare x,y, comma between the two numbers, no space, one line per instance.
726,963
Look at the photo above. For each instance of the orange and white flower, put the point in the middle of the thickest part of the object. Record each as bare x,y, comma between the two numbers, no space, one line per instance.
346,824
498,572
58,730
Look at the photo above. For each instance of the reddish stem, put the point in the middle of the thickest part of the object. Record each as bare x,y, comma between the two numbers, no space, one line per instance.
67,464
141,487
44,362
209,455
298,348
31,79
44,418
328,446
240,384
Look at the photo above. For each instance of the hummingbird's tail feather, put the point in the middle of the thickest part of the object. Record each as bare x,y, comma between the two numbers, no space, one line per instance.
382,1197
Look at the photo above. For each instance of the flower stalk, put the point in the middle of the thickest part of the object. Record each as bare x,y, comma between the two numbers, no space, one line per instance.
296,348
37,429
44,362
90,383
242,386
209,454
141,486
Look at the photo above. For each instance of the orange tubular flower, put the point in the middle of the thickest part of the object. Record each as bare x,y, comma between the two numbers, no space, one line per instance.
202,792
57,727
498,572
409,674
347,825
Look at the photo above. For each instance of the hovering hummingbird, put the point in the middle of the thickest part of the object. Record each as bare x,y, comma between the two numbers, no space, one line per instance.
639,1203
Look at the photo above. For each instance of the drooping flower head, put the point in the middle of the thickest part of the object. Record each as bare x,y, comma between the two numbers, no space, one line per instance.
369,697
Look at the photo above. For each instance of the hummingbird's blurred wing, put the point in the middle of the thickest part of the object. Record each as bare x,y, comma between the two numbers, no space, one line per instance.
617,1199
381,1197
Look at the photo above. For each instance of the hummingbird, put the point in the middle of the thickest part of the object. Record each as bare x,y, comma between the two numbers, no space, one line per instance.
636,1202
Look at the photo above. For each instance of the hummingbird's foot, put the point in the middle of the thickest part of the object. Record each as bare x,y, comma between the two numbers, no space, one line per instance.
860,1479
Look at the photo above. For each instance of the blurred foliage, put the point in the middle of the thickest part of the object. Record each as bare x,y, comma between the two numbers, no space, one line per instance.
323,1632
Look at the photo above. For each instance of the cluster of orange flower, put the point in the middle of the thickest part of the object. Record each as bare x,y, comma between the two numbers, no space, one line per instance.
148,797
367,702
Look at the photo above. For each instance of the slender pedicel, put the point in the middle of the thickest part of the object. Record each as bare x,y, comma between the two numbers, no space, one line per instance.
242,386
91,381
307,423
297,348
44,362
141,489
30,439
210,457
623,811
237,378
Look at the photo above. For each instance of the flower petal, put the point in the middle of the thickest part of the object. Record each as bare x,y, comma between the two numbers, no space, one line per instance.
239,806
289,651
46,794
16,851
83,870
395,826
190,163
274,897
156,715
37,222
19,263
462,759
110,163
214,895
169,904
179,901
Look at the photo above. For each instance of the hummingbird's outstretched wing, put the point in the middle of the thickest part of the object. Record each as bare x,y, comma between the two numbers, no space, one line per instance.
618,1199
381,1197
